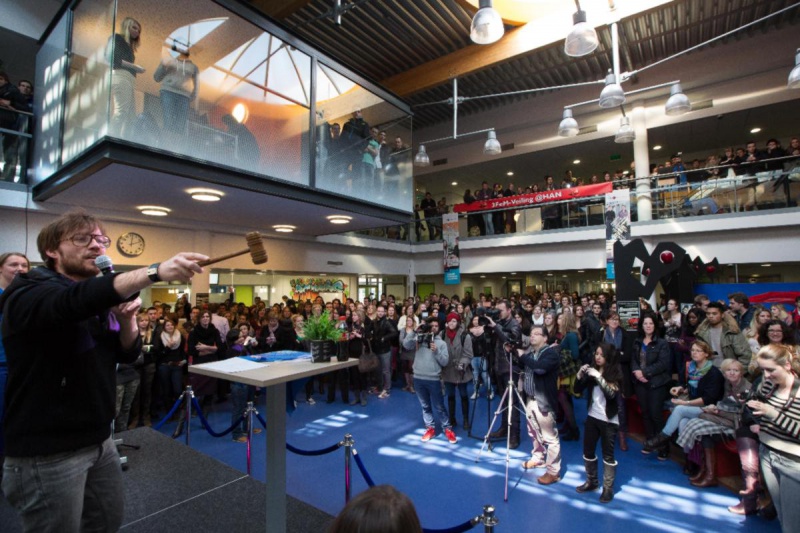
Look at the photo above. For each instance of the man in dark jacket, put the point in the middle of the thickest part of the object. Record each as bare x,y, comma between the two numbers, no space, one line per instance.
62,471
507,334
383,333
541,386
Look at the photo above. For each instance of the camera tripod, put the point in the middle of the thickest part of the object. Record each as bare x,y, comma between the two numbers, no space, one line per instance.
488,360
510,393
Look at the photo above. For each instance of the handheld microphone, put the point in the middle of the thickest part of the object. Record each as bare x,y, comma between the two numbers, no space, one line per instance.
103,262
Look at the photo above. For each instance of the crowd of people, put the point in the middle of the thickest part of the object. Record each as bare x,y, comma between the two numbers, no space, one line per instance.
726,370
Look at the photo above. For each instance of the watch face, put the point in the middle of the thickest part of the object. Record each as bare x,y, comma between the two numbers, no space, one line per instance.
130,244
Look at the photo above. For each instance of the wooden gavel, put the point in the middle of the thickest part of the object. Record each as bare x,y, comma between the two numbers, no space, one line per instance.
255,247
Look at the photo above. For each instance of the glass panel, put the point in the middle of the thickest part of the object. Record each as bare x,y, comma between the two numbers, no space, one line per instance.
353,158
50,79
88,90
206,87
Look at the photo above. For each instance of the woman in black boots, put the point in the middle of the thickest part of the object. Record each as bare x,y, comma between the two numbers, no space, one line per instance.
602,381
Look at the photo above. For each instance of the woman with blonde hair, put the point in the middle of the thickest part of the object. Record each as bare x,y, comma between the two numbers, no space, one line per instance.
776,408
122,55
779,312
760,317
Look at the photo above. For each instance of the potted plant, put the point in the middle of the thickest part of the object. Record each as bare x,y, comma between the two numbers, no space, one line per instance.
322,335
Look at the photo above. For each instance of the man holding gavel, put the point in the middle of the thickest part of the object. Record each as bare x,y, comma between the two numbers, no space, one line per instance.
62,471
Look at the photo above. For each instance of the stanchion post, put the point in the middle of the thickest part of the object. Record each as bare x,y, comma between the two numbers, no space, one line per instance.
248,413
488,519
348,453
189,393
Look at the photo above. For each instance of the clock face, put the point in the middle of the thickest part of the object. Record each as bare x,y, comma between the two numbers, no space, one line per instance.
130,244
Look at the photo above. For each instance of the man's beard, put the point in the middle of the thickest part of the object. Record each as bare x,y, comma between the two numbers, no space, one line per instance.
75,267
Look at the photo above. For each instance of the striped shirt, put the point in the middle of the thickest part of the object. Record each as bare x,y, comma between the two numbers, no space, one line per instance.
782,433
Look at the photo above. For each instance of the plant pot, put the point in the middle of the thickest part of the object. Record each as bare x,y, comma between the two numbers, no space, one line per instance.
321,351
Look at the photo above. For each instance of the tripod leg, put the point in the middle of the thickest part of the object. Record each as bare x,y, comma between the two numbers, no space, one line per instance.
497,413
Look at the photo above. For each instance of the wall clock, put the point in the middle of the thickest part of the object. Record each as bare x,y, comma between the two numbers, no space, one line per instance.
130,244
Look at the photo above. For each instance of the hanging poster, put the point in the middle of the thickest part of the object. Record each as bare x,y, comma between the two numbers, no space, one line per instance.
451,255
617,219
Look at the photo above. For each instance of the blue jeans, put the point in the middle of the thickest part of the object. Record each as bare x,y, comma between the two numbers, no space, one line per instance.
170,382
80,490
429,394
488,224
782,477
680,415
480,370
386,369
240,395
175,110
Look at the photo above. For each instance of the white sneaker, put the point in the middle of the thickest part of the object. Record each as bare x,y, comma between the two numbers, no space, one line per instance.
383,395
491,394
474,395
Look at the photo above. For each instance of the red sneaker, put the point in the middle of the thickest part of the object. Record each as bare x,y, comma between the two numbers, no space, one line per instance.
429,434
450,435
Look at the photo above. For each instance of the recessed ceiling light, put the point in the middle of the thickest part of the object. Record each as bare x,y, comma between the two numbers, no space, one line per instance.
756,275
483,277
510,173
339,219
454,183
549,274
767,265
563,275
153,210
206,195
504,277
657,147
581,271
755,130
576,162
284,228
513,273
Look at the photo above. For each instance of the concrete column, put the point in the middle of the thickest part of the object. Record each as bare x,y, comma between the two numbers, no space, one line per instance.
641,157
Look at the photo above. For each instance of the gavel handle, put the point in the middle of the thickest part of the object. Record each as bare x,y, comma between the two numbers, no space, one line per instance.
223,257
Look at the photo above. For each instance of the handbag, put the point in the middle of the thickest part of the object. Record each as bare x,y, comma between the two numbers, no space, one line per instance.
368,362
568,366
722,418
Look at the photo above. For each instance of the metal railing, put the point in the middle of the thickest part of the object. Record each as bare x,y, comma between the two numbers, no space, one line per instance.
15,143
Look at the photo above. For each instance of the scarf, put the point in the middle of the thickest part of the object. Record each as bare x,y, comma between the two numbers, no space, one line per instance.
614,338
451,333
696,374
171,342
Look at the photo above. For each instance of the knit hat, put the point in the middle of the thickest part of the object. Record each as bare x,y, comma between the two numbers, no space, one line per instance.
453,316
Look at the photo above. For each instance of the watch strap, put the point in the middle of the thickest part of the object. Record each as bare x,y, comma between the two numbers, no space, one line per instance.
152,272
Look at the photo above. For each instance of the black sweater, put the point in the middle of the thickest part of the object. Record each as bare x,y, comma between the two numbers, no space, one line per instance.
61,389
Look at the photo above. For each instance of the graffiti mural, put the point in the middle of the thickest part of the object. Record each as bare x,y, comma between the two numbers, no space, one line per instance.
309,288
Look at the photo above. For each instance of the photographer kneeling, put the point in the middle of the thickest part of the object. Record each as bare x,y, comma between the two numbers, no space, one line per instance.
431,355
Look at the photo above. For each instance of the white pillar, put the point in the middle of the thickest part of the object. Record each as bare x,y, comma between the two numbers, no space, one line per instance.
641,157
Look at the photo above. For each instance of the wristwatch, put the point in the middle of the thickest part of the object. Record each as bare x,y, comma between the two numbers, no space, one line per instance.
152,272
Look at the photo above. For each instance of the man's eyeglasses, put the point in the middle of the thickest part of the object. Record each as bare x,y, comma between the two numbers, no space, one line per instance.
84,239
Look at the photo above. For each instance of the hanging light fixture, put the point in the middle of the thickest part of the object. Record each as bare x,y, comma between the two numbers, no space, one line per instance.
568,126
625,133
487,25
794,75
422,159
492,145
678,103
612,94
582,39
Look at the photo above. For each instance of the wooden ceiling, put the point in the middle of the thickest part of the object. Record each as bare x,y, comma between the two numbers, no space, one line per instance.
416,47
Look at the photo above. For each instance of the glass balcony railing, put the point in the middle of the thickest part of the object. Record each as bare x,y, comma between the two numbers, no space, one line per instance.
705,192
197,81
15,135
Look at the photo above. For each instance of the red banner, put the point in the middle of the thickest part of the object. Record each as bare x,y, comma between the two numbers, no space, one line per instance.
535,198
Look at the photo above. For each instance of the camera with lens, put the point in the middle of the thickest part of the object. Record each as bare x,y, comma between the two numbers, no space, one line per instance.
484,314
424,335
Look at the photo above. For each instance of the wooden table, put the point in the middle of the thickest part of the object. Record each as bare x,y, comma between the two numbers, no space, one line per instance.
273,377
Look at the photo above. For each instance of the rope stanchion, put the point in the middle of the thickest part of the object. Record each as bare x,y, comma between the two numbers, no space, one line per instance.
261,420
166,418
348,453
203,420
488,519
323,451
363,469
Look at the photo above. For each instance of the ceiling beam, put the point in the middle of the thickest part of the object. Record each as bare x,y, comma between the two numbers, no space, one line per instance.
516,42
279,9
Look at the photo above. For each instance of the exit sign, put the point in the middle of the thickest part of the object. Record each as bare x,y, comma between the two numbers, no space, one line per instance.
615,157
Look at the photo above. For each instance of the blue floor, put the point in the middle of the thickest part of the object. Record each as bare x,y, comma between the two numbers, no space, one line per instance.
450,484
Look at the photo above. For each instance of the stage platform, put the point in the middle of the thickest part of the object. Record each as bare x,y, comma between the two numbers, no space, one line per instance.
171,487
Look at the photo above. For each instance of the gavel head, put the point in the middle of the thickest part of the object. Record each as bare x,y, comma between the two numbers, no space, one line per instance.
256,246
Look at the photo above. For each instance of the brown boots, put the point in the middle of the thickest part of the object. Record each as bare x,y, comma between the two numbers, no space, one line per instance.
707,477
